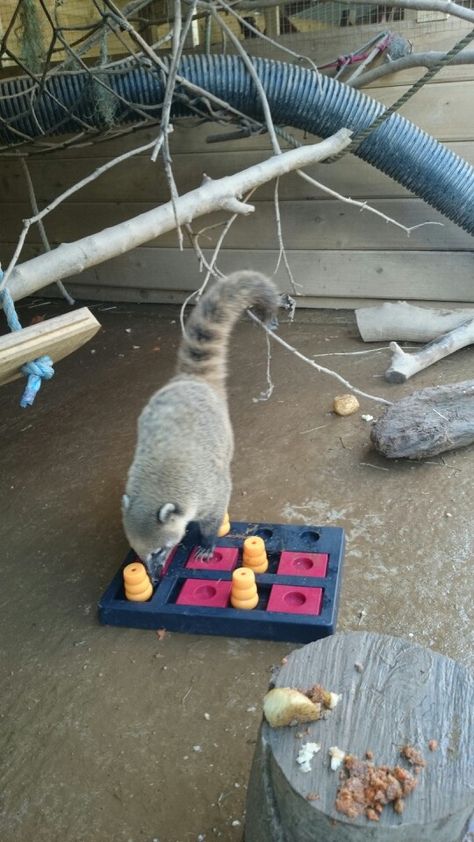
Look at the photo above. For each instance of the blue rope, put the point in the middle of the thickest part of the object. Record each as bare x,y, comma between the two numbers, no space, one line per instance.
36,371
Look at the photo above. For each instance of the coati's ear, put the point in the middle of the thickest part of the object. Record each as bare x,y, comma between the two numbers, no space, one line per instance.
164,513
125,503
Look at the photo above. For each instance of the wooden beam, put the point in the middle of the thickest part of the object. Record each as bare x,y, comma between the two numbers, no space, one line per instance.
56,337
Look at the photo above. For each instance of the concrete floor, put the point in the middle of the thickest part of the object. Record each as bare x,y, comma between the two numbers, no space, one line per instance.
103,733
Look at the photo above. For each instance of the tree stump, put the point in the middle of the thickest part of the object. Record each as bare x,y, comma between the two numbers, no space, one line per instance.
394,693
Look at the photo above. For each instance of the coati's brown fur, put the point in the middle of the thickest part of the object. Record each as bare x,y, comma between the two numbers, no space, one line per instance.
181,468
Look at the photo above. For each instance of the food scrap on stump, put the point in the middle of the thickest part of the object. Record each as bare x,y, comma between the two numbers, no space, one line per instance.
367,788
414,757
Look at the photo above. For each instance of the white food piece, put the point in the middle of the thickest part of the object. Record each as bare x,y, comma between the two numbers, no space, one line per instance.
367,417
306,754
334,699
286,706
337,756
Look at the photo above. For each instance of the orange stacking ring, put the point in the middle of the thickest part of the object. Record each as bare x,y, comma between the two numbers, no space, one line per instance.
244,590
254,554
224,528
137,585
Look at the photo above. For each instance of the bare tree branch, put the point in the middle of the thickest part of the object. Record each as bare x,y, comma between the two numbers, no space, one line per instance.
428,60
71,258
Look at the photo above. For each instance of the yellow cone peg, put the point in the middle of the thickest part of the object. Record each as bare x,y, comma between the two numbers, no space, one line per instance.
244,590
224,528
137,585
254,554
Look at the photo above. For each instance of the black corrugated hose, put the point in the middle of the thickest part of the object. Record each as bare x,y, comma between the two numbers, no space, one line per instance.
297,97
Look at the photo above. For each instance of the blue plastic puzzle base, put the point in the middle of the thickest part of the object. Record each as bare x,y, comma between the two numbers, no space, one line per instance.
293,622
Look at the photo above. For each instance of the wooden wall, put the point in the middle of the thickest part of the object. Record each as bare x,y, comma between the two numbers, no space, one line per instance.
339,255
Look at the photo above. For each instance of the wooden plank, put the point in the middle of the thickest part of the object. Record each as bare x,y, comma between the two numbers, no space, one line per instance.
442,110
140,179
327,224
56,337
422,275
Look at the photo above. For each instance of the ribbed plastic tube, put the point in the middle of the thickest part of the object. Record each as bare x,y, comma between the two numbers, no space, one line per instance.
297,98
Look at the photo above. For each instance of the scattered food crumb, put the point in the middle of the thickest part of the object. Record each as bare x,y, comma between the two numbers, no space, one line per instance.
305,755
448,514
367,418
358,666
366,788
319,695
312,796
414,756
136,347
369,755
161,634
337,757
207,716
433,745
128,330
201,837
236,823
284,661
251,709
197,748
300,734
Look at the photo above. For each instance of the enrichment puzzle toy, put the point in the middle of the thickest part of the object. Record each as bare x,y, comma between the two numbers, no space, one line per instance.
296,599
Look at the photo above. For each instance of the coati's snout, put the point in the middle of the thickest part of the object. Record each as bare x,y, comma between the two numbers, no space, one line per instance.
152,532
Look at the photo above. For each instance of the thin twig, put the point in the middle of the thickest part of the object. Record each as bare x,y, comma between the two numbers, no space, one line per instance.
266,395
42,230
363,206
256,79
27,223
263,37
319,368
282,253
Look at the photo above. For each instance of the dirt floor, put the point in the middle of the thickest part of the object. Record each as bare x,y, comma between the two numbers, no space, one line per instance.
116,735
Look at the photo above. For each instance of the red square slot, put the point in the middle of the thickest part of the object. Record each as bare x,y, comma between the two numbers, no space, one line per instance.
294,600
303,564
205,592
224,558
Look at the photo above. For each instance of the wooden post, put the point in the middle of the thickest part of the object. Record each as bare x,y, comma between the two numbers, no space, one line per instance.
272,21
394,693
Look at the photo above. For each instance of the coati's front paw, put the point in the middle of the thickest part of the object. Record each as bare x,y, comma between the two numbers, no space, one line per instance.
204,553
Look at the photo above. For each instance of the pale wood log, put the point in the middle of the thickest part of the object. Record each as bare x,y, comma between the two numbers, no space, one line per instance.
427,422
403,365
71,258
56,337
406,322
404,694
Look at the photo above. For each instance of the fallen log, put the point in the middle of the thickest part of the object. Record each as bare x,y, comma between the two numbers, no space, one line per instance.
406,322
427,422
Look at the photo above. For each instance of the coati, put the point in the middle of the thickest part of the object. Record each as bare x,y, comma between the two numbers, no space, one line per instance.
181,467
